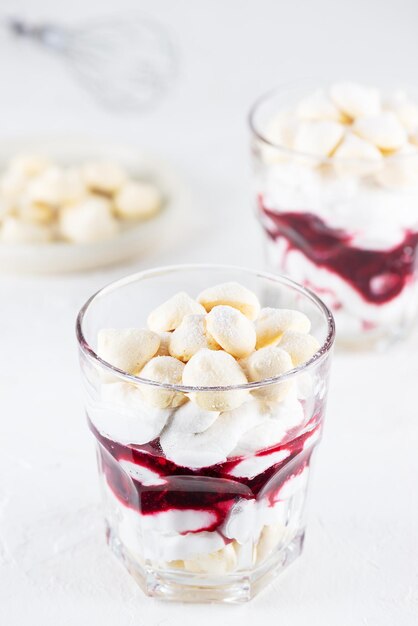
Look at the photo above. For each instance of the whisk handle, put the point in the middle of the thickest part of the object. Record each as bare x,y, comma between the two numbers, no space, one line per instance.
51,36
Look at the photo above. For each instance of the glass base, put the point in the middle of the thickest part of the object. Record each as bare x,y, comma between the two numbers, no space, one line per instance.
187,587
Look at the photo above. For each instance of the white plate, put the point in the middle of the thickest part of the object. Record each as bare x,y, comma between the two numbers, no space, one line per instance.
133,242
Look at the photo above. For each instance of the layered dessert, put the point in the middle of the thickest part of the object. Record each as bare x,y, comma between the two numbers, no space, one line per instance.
337,195
205,450
42,201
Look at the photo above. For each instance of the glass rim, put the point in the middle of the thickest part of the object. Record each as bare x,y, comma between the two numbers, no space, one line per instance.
262,136
88,351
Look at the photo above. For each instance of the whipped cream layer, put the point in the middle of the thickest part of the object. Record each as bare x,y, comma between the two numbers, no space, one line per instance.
375,218
246,471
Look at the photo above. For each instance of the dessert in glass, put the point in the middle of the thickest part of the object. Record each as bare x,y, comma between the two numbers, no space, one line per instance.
336,187
205,390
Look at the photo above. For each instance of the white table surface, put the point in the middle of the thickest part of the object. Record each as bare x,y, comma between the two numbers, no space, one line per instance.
359,567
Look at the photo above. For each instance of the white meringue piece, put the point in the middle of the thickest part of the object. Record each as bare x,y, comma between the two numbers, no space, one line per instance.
355,100
272,323
47,188
384,130
318,138
169,315
266,363
137,200
300,347
128,349
210,368
318,106
400,170
29,165
14,230
167,370
356,157
190,337
214,563
103,176
231,294
234,332
89,220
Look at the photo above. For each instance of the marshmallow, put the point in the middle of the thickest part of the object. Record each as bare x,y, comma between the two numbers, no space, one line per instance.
211,446
400,169
405,110
103,176
89,220
300,347
356,157
30,211
167,370
170,314
220,562
190,337
17,231
47,188
268,363
123,416
210,368
233,331
231,294
127,349
29,165
318,138
355,100
384,130
272,323
318,106
164,349
137,200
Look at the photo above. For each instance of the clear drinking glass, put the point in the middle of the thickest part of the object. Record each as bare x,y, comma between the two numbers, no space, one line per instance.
346,228
219,529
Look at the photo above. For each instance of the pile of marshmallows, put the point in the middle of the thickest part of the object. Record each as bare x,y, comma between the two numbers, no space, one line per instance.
42,202
356,126
222,339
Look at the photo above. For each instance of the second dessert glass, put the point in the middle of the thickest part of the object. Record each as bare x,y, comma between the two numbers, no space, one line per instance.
218,526
345,227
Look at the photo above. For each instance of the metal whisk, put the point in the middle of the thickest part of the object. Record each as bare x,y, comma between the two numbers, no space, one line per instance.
125,62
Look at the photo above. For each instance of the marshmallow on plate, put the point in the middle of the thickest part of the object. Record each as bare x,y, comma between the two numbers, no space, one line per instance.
169,315
355,100
272,323
128,349
190,337
88,220
231,294
15,230
230,329
104,176
210,368
137,200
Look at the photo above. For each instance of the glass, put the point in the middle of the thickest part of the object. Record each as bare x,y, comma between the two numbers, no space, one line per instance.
220,531
346,228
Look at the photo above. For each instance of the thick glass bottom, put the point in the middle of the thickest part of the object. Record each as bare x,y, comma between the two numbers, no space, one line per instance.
199,588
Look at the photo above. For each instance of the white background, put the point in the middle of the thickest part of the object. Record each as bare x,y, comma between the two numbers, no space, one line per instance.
359,567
